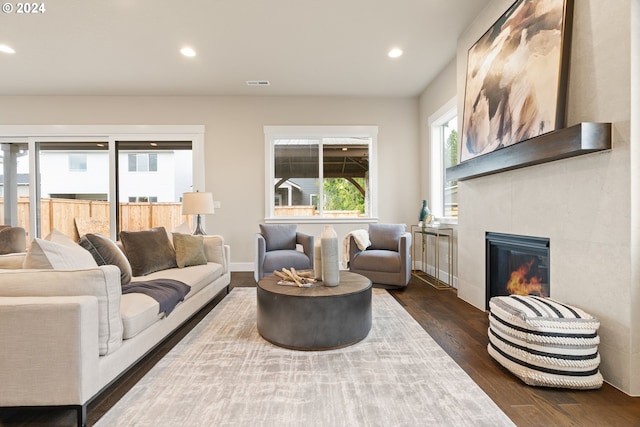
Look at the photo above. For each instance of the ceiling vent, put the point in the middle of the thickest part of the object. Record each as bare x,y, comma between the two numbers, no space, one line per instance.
258,83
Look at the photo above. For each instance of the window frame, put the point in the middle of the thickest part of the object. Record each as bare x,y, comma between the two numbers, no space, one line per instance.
273,133
436,150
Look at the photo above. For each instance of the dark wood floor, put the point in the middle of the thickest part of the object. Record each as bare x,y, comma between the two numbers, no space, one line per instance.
459,328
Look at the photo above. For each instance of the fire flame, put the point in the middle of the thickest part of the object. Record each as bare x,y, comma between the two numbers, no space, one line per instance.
521,284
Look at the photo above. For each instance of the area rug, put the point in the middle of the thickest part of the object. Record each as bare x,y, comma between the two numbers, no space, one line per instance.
224,374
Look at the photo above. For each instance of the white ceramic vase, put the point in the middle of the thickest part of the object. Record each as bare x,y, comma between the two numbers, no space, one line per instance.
329,254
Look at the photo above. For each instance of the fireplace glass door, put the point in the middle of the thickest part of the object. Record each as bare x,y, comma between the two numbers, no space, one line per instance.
517,265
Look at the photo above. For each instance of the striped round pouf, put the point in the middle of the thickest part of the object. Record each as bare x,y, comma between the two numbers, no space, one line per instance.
544,342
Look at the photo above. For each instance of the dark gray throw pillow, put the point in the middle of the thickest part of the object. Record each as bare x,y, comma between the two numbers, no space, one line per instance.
385,236
148,250
279,236
106,252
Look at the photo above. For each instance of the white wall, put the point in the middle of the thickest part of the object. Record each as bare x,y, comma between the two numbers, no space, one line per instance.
440,91
582,204
234,146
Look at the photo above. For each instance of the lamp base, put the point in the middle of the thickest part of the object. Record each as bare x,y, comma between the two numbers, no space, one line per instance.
199,230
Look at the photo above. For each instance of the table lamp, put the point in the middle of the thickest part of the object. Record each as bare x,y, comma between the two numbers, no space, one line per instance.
197,203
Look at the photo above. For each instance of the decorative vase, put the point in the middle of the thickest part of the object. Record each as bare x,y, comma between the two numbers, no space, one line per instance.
425,215
329,254
317,259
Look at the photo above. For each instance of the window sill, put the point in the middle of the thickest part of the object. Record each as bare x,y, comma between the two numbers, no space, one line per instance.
447,220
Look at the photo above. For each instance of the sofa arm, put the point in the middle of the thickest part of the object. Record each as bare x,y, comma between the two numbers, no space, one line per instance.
50,350
307,241
404,247
214,250
102,282
261,251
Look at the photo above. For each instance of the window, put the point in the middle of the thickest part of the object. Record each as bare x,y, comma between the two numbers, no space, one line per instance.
77,162
40,191
316,173
143,162
444,154
143,199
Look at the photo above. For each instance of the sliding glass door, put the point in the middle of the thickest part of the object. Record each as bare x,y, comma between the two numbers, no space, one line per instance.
152,176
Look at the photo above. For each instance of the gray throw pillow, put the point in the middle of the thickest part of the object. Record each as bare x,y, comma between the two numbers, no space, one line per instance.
189,250
106,252
12,240
148,251
385,236
279,236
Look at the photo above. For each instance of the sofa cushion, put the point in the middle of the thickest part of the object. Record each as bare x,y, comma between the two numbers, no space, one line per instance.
189,250
12,239
376,260
290,258
102,282
12,261
197,276
148,251
385,236
57,251
139,311
106,252
279,236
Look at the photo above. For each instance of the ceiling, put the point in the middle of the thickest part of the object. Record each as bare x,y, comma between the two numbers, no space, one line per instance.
302,47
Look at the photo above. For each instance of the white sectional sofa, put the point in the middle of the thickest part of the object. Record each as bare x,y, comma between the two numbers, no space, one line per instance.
68,333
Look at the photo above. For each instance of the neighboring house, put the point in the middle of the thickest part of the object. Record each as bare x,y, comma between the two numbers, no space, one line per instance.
144,177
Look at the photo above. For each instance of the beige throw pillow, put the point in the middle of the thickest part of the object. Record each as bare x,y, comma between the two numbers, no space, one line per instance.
189,250
44,254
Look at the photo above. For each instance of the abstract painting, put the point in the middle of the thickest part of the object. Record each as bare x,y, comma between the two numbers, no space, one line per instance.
516,77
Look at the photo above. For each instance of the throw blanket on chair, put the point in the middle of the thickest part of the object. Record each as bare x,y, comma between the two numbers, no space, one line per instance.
167,292
361,238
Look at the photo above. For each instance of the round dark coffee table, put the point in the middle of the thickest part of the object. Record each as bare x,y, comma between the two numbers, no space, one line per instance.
316,318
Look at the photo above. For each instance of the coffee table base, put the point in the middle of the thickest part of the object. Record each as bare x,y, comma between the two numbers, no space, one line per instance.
318,318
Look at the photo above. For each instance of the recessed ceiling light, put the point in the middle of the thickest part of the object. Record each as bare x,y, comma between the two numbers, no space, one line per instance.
395,53
187,51
6,49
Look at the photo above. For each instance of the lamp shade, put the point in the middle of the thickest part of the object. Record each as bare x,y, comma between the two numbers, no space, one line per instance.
197,203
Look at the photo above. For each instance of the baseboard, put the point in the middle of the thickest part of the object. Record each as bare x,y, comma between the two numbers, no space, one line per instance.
241,266
430,270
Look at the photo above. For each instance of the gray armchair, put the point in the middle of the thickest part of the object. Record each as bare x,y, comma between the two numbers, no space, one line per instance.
388,260
276,247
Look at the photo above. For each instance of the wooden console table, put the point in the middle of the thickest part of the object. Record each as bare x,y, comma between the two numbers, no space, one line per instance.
438,233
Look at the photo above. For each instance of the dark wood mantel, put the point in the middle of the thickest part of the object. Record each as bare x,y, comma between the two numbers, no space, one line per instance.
576,140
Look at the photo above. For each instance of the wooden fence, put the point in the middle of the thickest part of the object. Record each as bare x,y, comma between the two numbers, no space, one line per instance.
66,215
311,211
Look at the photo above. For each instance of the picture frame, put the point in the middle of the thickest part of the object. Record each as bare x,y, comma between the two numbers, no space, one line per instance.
516,77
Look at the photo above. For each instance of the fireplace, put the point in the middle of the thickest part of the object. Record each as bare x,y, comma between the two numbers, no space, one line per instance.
516,265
